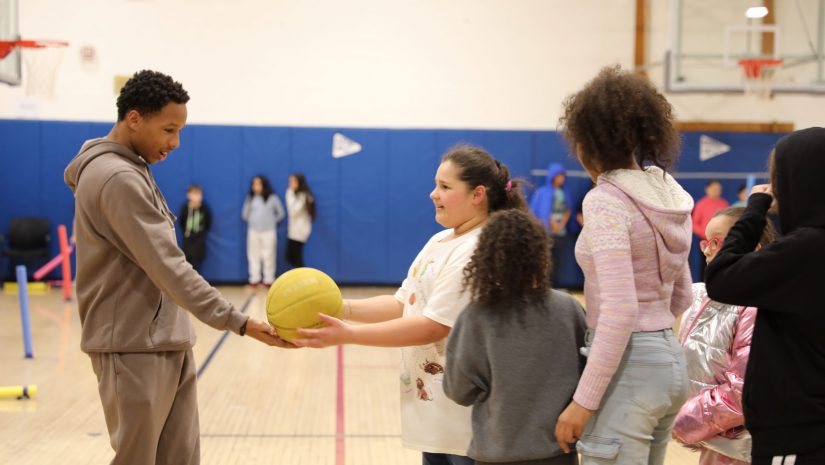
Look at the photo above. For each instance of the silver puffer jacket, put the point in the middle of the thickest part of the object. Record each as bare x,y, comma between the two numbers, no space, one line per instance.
717,339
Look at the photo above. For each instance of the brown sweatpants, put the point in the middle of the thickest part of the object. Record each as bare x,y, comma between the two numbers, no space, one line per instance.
150,403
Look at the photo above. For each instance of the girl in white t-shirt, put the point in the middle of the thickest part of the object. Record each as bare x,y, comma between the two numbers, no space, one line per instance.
469,185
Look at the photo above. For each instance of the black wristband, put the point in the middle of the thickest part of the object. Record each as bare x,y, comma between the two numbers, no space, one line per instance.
242,331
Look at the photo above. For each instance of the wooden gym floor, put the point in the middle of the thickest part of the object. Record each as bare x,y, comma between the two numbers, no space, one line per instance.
258,405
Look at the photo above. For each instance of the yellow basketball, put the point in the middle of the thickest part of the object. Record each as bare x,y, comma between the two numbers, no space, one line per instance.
297,297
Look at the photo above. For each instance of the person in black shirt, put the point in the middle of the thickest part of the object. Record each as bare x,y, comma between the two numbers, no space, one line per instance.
784,391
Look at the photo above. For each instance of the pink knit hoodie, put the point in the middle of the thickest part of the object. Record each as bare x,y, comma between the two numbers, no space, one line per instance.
633,250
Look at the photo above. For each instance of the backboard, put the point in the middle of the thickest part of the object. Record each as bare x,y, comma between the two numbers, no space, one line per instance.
708,39
10,67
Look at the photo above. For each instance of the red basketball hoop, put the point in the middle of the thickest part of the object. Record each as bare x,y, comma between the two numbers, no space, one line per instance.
7,46
42,58
759,74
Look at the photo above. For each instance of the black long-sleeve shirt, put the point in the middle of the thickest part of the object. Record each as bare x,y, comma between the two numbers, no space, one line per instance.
784,391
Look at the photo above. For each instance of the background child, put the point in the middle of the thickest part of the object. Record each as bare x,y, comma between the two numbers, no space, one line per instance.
262,210
717,339
553,205
513,354
469,185
704,210
741,197
300,207
195,219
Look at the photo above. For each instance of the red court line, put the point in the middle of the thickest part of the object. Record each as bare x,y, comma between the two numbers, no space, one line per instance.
48,315
339,411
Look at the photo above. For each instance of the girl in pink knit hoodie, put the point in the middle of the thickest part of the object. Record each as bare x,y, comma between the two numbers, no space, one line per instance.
633,250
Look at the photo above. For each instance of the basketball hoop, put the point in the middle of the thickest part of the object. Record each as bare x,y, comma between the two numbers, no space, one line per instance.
42,58
759,74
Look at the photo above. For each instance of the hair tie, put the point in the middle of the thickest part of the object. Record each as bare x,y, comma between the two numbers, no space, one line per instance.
508,186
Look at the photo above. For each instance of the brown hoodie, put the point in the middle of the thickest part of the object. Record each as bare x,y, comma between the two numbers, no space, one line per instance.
131,275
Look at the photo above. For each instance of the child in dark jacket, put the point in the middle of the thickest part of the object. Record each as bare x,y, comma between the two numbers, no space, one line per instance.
195,220
784,391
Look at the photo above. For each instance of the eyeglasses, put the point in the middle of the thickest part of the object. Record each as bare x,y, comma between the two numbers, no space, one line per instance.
711,245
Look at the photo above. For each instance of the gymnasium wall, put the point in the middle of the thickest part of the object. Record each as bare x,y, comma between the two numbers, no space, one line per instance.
373,208
271,81
488,64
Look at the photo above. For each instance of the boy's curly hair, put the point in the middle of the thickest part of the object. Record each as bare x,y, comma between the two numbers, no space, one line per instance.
148,92
617,114
511,262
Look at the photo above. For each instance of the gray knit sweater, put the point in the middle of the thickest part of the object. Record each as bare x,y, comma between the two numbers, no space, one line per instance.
518,368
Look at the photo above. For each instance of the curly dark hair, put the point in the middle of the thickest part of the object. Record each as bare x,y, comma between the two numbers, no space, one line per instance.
148,92
619,115
511,262
479,168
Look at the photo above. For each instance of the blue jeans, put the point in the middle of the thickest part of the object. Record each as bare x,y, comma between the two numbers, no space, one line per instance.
429,458
633,424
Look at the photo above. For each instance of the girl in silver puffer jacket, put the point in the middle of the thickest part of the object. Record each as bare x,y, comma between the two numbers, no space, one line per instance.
717,339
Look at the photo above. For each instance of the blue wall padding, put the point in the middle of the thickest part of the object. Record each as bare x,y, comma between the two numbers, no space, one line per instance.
408,196
374,211
311,155
749,154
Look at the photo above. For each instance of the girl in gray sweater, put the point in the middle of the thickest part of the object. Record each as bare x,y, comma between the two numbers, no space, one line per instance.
262,210
513,354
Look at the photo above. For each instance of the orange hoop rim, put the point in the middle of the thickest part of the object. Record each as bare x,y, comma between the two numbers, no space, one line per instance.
752,67
6,46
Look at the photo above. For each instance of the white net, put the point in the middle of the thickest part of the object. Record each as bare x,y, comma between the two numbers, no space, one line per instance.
41,65
759,77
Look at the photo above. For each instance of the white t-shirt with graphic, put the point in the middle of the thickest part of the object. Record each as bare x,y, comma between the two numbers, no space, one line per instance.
430,422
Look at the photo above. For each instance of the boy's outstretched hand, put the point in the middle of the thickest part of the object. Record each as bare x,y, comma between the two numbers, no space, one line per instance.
265,333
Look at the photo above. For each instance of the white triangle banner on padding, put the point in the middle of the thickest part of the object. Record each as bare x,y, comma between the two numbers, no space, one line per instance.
710,148
343,146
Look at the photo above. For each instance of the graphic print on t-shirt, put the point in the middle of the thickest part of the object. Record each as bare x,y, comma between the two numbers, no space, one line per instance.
433,290
419,273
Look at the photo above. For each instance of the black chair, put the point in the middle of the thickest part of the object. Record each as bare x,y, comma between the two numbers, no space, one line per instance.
27,242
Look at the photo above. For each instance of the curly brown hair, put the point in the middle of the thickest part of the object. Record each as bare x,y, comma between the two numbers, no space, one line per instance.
619,116
511,262
479,168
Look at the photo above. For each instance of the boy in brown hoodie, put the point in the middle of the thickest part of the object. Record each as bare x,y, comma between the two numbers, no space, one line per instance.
132,277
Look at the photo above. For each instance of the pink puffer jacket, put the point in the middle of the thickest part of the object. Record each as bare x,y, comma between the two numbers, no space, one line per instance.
717,339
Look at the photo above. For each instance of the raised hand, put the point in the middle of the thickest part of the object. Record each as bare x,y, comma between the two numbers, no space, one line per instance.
762,189
765,189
